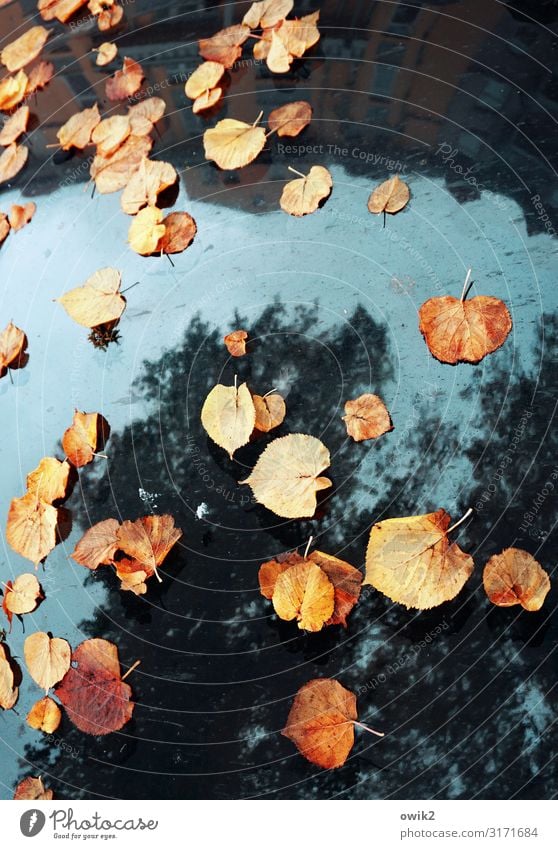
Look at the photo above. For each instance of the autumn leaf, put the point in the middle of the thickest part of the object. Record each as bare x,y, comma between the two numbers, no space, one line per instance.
235,342
225,46
233,144
19,53
81,440
126,82
49,480
110,18
515,577
31,527
291,39
21,596
286,477
20,216
106,52
321,722
112,173
12,343
464,331
366,417
9,693
111,134
144,114
12,161
151,178
14,126
147,541
39,76
180,229
203,79
77,130
271,569
290,119
62,10
390,196
146,230
13,90
267,13
270,411
228,416
346,582
207,100
278,57
98,301
96,698
47,659
305,593
305,194
98,545
4,227
33,789
412,561
45,716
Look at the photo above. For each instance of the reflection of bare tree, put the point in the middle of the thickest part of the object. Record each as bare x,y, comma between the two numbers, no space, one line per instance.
218,669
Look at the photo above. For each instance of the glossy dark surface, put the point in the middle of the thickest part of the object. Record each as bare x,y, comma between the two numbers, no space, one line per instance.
460,99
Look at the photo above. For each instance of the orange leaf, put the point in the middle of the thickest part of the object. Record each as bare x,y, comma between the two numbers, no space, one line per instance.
151,178
49,480
270,411
20,216
87,432
515,577
233,144
225,45
112,173
110,134
47,658
271,569
305,194
203,79
267,13
96,699
321,722
366,417
39,76
98,545
207,100
148,541
390,196
146,230
235,342
110,18
31,527
9,693
290,119
62,10
12,91
14,126
305,593
24,49
45,715
98,301
77,130
126,82
12,161
144,114
32,789
12,343
180,229
21,596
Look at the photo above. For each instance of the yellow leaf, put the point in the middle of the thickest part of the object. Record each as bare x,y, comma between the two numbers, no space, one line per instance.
233,144
228,416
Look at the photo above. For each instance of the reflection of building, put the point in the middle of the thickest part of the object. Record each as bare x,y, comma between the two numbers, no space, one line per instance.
396,80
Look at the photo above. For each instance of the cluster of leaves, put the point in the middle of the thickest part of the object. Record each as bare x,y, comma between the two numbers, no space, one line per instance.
108,12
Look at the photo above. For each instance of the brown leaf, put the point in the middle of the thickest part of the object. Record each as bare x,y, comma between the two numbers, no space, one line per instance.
39,76
412,561
233,144
32,789
113,172
366,417
305,593
98,301
81,440
515,577
151,178
31,527
126,82
106,53
77,130
98,545
20,216
12,91
267,13
270,411
49,480
47,658
321,722
290,119
346,582
110,134
203,79
96,699
390,196
207,100
17,54
228,416
12,343
45,716
12,161
180,229
62,10
9,693
286,477
225,46
235,342
21,596
305,194
14,126
146,230
147,541
464,331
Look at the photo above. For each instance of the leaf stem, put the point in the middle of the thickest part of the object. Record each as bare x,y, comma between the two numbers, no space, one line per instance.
297,172
131,669
258,119
127,289
366,728
466,284
466,516
308,544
